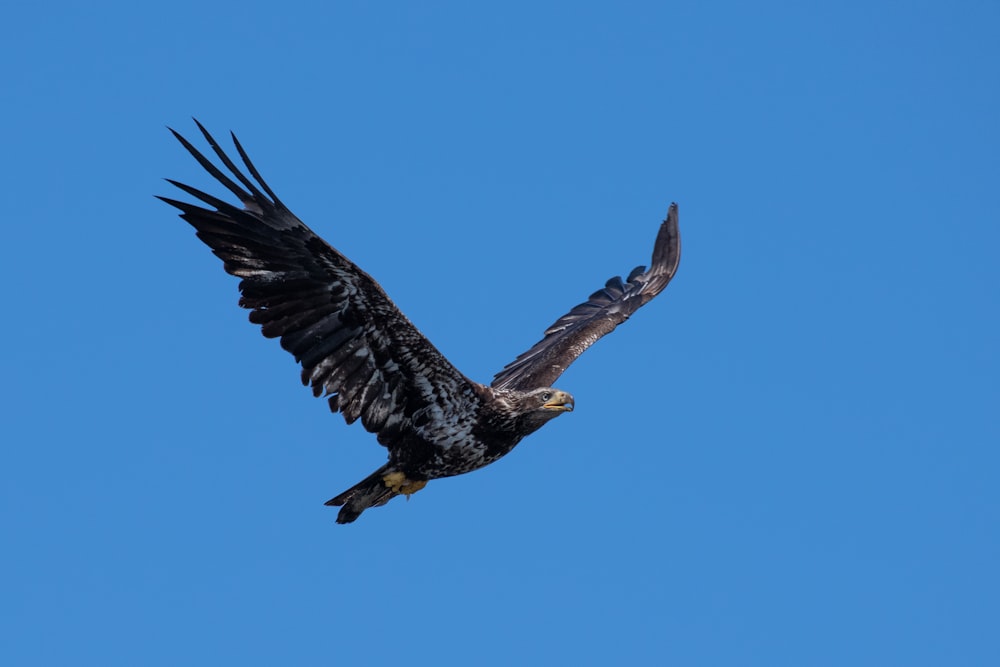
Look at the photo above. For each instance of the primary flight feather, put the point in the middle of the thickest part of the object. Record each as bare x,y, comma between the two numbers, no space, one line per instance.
359,350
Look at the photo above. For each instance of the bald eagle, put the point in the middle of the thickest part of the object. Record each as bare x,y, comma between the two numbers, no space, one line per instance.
356,348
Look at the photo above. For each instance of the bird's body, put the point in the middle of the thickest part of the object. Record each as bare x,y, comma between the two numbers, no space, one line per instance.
357,348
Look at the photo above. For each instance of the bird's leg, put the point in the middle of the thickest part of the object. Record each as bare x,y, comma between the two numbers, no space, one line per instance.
399,483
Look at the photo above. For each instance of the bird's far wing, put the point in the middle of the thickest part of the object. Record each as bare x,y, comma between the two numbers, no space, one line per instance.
351,339
606,308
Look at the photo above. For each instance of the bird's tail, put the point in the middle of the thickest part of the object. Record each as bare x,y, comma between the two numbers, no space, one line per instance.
372,491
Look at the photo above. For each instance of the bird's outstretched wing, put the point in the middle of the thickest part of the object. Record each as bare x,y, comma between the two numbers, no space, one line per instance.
352,341
606,308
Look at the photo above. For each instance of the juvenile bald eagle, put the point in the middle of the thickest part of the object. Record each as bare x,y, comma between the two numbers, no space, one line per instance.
360,351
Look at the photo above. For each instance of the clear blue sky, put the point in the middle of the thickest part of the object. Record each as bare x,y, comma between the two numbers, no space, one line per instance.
789,458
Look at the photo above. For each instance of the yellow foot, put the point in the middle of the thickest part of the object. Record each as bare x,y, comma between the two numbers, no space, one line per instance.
399,483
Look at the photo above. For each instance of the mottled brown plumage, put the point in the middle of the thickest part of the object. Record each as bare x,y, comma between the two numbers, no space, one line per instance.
358,349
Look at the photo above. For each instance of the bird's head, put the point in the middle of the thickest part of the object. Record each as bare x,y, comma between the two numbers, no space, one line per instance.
552,401
536,407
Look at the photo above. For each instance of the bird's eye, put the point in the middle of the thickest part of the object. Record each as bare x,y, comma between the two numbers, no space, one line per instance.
546,396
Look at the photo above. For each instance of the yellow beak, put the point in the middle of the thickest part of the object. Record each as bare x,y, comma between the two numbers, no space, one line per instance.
561,402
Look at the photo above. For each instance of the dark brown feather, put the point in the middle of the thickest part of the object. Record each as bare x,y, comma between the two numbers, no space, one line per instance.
351,340
587,322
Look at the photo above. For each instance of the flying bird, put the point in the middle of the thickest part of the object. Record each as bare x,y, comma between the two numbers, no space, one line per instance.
357,349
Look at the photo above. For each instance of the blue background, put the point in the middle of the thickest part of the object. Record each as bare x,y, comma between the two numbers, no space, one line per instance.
788,458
